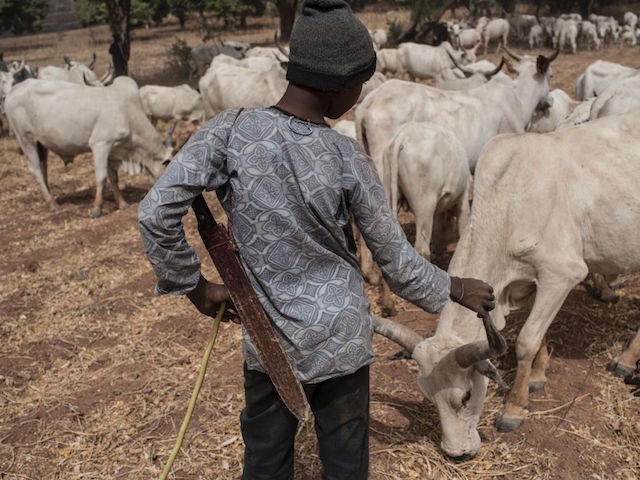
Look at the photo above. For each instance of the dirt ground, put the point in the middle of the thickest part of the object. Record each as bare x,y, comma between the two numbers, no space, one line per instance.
96,372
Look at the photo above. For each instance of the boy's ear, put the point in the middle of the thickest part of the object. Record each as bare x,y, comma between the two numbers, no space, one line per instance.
284,65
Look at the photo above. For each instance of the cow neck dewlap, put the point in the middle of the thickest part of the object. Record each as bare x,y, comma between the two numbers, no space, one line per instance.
479,254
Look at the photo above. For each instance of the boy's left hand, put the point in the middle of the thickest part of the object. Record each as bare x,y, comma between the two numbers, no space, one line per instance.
207,297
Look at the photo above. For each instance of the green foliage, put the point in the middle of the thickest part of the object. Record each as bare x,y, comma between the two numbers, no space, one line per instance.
91,12
21,16
230,11
395,30
179,53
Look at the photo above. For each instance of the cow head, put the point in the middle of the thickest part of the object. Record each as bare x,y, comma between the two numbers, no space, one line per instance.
469,55
533,81
453,376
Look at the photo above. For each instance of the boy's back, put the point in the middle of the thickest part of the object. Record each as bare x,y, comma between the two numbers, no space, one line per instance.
292,185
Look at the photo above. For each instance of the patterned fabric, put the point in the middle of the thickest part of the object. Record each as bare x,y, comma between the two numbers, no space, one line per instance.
294,185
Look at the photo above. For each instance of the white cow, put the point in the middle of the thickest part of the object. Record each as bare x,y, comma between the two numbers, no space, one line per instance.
346,128
620,97
254,63
536,36
567,35
425,61
370,85
172,103
500,105
580,114
70,119
228,86
628,36
598,76
589,34
631,19
387,61
74,72
522,24
534,238
448,80
378,37
432,174
271,52
496,29
553,110
469,37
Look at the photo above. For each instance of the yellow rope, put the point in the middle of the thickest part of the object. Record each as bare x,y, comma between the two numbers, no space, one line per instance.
194,394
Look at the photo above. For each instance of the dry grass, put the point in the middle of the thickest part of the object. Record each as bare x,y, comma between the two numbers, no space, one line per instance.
95,372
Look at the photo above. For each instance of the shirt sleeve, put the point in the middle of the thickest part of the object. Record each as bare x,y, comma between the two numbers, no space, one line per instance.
408,274
199,165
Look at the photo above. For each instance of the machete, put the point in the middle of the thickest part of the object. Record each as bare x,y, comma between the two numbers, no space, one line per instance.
219,244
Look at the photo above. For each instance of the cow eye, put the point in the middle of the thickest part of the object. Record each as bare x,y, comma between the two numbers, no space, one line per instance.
466,398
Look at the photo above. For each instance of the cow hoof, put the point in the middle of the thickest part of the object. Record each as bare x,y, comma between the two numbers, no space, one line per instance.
123,205
610,299
619,369
508,424
96,213
536,385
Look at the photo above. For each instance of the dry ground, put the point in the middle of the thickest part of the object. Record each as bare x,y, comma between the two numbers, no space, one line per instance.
95,372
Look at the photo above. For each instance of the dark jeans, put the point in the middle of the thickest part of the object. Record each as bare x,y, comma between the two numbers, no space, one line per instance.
341,410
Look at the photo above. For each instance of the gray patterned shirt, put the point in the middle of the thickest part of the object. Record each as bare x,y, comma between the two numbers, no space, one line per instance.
294,185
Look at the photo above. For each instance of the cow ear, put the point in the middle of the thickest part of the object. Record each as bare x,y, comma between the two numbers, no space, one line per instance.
542,64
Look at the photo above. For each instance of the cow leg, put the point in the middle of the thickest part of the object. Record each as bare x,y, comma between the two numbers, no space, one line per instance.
538,377
113,180
370,270
602,289
551,294
101,164
464,210
37,162
387,305
625,364
424,210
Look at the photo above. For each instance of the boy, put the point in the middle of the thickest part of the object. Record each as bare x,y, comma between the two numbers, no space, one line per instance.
289,184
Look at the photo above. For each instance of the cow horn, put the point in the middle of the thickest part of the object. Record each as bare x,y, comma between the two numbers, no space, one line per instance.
67,61
86,82
496,345
282,50
467,73
488,369
93,61
404,336
467,355
512,55
107,77
489,75
554,55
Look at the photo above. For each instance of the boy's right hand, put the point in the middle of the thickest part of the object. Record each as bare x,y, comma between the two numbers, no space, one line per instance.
473,294
207,297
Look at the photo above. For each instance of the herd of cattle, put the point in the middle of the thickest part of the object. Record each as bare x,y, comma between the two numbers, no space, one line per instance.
554,179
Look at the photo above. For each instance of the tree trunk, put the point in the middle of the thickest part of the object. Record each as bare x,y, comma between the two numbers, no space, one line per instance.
287,11
119,21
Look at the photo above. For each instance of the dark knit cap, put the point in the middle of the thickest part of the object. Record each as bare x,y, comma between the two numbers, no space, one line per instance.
330,49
